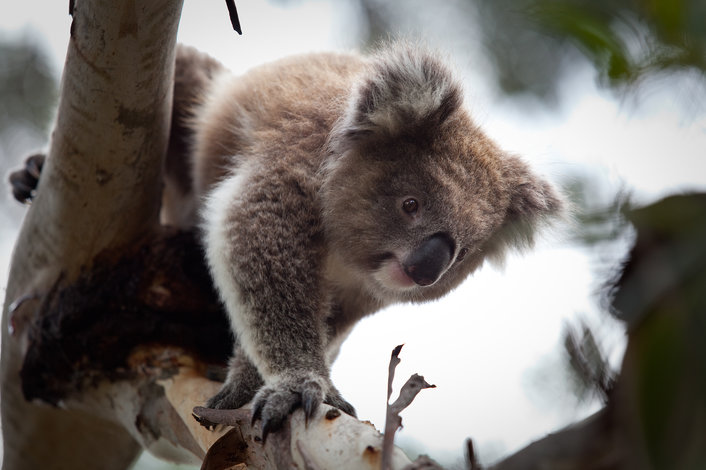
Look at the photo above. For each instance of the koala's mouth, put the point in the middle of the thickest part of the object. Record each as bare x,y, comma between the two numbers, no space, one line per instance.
391,274
376,261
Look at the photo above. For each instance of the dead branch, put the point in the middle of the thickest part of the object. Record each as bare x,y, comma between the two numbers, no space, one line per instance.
471,458
393,420
329,440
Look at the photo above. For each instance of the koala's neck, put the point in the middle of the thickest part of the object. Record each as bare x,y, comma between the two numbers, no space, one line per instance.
350,298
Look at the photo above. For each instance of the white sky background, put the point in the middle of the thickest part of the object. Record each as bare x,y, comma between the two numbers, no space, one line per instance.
500,331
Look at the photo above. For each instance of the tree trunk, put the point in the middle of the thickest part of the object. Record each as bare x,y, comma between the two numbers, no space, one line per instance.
99,192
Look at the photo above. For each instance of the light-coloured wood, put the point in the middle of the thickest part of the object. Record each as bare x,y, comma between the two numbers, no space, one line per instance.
99,190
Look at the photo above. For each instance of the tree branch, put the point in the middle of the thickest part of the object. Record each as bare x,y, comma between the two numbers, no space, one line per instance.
393,420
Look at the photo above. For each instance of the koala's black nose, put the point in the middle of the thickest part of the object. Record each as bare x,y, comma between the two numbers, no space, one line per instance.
426,264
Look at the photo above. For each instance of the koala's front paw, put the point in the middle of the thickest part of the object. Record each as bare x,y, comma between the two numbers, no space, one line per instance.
24,181
275,402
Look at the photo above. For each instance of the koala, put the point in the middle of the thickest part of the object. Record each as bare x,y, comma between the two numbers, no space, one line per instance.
326,187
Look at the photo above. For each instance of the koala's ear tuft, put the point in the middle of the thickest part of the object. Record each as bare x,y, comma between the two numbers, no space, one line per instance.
405,90
531,196
533,202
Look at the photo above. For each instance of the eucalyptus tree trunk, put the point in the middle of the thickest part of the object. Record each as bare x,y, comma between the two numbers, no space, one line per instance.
99,193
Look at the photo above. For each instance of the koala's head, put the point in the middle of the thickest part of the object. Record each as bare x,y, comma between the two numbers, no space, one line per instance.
415,196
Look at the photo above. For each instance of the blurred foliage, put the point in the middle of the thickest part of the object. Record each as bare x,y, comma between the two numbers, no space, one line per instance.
531,41
661,296
668,259
596,221
28,91
588,365
526,59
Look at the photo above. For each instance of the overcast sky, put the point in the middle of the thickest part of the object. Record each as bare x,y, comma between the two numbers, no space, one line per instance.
492,347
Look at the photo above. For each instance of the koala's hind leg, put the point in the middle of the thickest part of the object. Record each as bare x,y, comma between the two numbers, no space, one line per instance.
193,74
242,383
24,182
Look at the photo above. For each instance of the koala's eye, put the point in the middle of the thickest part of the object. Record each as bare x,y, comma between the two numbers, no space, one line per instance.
410,205
461,254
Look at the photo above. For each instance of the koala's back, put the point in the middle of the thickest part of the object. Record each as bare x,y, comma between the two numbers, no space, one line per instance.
282,112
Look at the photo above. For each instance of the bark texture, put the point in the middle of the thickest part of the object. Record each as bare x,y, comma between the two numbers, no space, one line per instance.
99,193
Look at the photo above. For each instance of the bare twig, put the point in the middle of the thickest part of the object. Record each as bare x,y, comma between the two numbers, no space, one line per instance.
471,458
233,13
410,389
394,360
393,421
211,418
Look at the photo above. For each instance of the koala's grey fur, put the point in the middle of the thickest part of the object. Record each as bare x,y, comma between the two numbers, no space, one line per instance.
302,172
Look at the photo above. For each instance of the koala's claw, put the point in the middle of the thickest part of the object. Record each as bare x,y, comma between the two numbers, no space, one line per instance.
274,403
256,413
310,404
338,402
24,182
266,427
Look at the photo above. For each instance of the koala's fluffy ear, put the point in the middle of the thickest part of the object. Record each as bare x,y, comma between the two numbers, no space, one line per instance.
405,91
533,203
